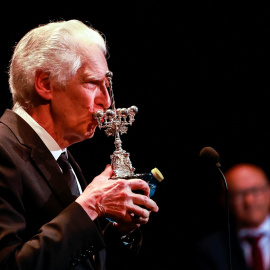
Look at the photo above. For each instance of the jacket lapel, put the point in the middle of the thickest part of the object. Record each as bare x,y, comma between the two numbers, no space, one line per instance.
53,175
40,155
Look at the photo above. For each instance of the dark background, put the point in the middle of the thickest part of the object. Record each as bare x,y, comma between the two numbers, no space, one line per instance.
198,72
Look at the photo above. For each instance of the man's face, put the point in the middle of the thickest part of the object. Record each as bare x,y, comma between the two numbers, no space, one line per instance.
72,107
249,195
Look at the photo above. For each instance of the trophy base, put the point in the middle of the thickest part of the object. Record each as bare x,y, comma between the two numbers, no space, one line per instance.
121,164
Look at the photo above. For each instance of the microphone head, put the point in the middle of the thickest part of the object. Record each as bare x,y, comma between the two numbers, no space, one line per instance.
210,155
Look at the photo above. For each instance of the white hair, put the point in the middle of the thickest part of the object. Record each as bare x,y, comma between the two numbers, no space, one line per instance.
56,48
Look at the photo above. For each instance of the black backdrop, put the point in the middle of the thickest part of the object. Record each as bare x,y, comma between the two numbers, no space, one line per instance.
198,72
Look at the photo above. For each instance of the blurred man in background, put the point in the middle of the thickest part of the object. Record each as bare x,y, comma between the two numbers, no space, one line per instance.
249,196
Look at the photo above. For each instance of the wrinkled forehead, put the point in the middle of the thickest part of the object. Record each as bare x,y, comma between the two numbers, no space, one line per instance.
94,62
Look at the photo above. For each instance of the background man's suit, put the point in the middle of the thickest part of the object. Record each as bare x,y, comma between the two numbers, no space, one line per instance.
212,253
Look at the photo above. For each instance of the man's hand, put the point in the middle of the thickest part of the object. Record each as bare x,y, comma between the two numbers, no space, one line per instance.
116,200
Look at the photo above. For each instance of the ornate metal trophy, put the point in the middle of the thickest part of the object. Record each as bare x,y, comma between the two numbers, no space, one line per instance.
116,122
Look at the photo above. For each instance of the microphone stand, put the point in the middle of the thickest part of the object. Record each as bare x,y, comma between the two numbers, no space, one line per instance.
228,218
209,154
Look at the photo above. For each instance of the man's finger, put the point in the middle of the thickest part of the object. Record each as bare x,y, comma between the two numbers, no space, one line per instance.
139,184
145,201
139,211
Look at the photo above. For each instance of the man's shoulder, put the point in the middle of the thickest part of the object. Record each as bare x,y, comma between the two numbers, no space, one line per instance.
13,127
215,236
5,124
213,241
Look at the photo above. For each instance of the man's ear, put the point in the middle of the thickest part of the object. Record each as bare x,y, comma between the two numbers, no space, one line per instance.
43,85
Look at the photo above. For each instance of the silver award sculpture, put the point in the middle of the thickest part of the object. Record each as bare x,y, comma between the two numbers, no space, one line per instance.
116,122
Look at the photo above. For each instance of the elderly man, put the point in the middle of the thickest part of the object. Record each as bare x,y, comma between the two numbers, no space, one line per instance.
48,215
249,195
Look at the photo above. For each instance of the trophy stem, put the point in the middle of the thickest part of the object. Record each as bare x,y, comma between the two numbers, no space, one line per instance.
120,160
118,142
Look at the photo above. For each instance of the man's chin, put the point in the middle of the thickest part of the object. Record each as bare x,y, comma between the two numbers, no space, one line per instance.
253,222
89,134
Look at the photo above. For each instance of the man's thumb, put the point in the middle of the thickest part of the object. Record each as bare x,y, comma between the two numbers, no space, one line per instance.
108,171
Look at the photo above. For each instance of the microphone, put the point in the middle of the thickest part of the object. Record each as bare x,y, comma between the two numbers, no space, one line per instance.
211,156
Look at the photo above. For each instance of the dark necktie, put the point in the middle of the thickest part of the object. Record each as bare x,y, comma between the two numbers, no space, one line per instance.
68,174
255,252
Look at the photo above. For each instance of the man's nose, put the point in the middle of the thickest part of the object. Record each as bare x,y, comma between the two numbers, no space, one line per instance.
107,99
103,99
249,197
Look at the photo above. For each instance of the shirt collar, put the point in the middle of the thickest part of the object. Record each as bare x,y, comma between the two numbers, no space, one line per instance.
47,139
262,229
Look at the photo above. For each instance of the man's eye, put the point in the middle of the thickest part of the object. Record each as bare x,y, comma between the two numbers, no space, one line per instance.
91,83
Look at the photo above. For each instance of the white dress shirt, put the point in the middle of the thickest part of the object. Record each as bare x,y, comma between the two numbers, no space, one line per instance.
47,139
264,242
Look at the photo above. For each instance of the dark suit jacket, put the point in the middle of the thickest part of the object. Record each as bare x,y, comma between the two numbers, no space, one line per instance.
212,253
41,227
